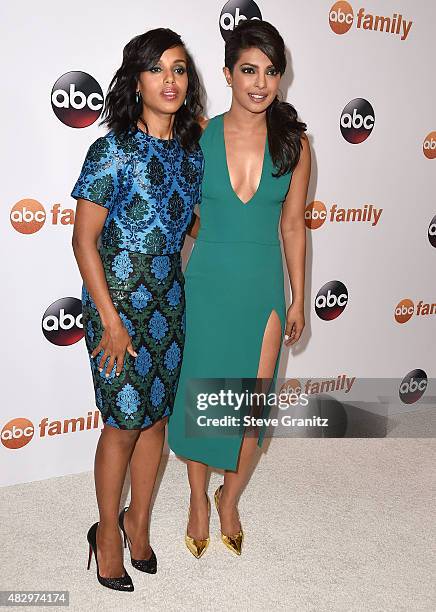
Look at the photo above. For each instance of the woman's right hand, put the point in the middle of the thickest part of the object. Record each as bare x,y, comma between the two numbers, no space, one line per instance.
115,342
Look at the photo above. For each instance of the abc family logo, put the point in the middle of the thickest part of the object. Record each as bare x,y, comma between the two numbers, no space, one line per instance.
235,11
341,19
331,300
77,99
316,214
62,322
313,386
18,432
28,216
405,310
357,120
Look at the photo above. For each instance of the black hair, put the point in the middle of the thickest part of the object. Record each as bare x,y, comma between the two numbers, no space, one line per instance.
284,129
122,111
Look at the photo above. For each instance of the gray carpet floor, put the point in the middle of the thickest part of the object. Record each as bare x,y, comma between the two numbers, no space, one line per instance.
330,525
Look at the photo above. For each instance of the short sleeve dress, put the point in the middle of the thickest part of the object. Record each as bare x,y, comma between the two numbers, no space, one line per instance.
150,187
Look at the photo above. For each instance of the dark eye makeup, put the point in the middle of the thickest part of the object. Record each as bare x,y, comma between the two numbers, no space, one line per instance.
179,68
248,69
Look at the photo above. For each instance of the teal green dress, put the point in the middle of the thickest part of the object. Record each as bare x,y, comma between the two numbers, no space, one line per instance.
233,280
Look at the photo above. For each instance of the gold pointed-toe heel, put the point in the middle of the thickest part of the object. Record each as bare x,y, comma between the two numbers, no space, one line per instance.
197,547
233,542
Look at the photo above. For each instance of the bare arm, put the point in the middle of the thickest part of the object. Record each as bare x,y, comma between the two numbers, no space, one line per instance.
194,226
293,231
88,225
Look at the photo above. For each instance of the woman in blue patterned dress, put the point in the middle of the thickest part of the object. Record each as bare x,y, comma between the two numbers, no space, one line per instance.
137,189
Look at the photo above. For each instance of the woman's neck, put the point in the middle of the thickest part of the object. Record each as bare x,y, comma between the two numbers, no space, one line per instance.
240,119
158,125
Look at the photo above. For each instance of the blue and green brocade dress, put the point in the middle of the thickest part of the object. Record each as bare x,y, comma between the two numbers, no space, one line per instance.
150,187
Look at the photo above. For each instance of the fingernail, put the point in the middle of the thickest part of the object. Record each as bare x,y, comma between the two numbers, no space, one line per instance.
100,369
136,354
286,337
107,374
118,373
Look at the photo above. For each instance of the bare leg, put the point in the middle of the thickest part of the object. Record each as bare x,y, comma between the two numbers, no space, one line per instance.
235,481
144,465
198,526
111,459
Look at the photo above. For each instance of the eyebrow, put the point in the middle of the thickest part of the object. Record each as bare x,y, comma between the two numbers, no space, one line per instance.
178,61
255,65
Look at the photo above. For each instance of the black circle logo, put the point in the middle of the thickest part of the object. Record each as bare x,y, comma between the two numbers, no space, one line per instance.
77,99
357,120
331,300
62,322
413,386
432,232
235,11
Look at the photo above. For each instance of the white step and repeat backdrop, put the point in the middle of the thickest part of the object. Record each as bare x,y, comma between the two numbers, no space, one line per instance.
361,75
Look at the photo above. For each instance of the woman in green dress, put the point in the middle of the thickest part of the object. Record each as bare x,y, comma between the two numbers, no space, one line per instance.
235,306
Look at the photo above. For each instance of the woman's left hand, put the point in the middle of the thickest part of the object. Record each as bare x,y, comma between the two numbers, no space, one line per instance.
294,324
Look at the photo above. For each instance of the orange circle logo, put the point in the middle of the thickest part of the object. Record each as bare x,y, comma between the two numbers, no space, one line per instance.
429,146
341,17
404,311
27,216
315,214
17,433
291,390
291,385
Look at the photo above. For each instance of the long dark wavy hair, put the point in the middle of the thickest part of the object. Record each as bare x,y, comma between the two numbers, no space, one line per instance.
284,129
121,111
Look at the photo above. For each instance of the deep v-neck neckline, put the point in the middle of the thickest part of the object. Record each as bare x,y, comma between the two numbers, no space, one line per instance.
265,151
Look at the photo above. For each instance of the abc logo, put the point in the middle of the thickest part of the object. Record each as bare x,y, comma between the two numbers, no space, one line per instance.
292,389
341,17
429,146
432,232
357,120
404,311
315,215
413,386
77,99
27,216
235,11
62,322
331,300
17,433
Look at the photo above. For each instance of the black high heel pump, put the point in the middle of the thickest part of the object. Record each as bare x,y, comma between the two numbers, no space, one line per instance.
121,583
143,565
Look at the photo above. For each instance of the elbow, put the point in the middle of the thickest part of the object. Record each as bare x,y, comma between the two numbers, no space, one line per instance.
75,243
286,229
294,229
80,244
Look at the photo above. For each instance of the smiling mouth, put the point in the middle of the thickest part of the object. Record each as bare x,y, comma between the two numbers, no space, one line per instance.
257,97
